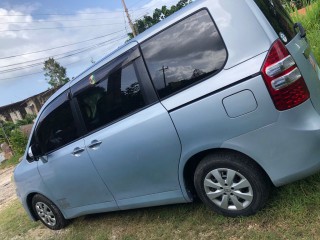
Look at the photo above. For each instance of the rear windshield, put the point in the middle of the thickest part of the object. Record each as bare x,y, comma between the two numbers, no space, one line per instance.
278,18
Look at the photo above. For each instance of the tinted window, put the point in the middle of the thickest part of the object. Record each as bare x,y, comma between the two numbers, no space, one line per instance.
184,54
114,96
57,127
277,16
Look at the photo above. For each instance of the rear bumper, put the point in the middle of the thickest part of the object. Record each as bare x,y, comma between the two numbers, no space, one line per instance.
289,149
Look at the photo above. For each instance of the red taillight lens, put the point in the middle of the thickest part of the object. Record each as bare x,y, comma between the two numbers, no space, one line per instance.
283,78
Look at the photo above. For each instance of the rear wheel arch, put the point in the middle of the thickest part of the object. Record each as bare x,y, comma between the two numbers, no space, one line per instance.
193,162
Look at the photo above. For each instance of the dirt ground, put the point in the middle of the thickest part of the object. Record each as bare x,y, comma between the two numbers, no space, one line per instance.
7,195
7,188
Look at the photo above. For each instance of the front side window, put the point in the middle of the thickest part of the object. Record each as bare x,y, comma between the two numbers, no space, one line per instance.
57,128
185,53
116,94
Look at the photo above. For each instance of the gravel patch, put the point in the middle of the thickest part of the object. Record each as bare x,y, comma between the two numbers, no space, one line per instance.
7,188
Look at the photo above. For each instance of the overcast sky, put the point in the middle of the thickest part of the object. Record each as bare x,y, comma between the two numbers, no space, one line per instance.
57,24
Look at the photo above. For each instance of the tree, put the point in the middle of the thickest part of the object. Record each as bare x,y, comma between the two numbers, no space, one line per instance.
159,14
55,73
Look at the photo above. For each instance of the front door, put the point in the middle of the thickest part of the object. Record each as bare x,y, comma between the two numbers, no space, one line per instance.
131,138
138,158
66,168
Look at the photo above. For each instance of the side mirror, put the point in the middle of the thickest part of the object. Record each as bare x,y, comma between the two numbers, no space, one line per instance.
34,151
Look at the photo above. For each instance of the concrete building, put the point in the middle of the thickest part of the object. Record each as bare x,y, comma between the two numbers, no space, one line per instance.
17,111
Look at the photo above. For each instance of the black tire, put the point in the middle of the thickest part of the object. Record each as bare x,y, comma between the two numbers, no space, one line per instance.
233,201
48,213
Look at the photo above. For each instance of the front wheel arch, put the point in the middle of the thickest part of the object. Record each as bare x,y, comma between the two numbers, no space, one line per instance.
48,212
29,204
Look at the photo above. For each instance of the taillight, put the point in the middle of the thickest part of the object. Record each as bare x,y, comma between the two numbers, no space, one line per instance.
283,78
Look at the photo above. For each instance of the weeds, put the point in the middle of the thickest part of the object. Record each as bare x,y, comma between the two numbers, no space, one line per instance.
311,22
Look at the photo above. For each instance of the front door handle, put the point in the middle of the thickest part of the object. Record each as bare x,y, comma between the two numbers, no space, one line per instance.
95,144
77,152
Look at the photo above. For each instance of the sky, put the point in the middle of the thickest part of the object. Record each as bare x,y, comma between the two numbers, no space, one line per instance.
76,33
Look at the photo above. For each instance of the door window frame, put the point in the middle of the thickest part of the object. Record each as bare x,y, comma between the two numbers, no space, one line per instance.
132,56
204,78
53,105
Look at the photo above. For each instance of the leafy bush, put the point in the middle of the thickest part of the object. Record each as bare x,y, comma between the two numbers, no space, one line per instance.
27,120
18,141
6,129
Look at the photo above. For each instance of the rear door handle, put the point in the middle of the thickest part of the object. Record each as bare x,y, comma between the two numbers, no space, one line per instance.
95,144
77,151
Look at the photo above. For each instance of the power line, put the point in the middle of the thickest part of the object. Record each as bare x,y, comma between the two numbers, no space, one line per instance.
69,54
56,14
153,8
66,56
136,3
35,72
144,14
62,14
59,20
34,29
25,75
125,23
28,53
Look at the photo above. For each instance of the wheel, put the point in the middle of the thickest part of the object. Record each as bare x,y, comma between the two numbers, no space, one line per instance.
231,184
48,213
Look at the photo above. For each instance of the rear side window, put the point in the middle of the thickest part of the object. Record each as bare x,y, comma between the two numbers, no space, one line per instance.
117,94
184,54
278,17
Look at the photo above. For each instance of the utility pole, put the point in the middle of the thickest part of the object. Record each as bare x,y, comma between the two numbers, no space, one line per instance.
134,32
163,70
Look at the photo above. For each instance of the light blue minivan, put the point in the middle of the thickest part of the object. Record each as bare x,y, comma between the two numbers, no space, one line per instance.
220,101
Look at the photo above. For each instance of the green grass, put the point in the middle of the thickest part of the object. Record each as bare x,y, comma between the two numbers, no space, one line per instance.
11,162
311,21
14,222
293,212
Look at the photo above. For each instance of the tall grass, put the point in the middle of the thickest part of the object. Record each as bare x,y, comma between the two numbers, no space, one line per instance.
311,21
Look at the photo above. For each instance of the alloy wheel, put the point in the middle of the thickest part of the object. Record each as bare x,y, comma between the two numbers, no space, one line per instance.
45,213
228,189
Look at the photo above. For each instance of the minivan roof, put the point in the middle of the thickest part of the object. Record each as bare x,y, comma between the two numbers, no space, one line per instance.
130,44
141,37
